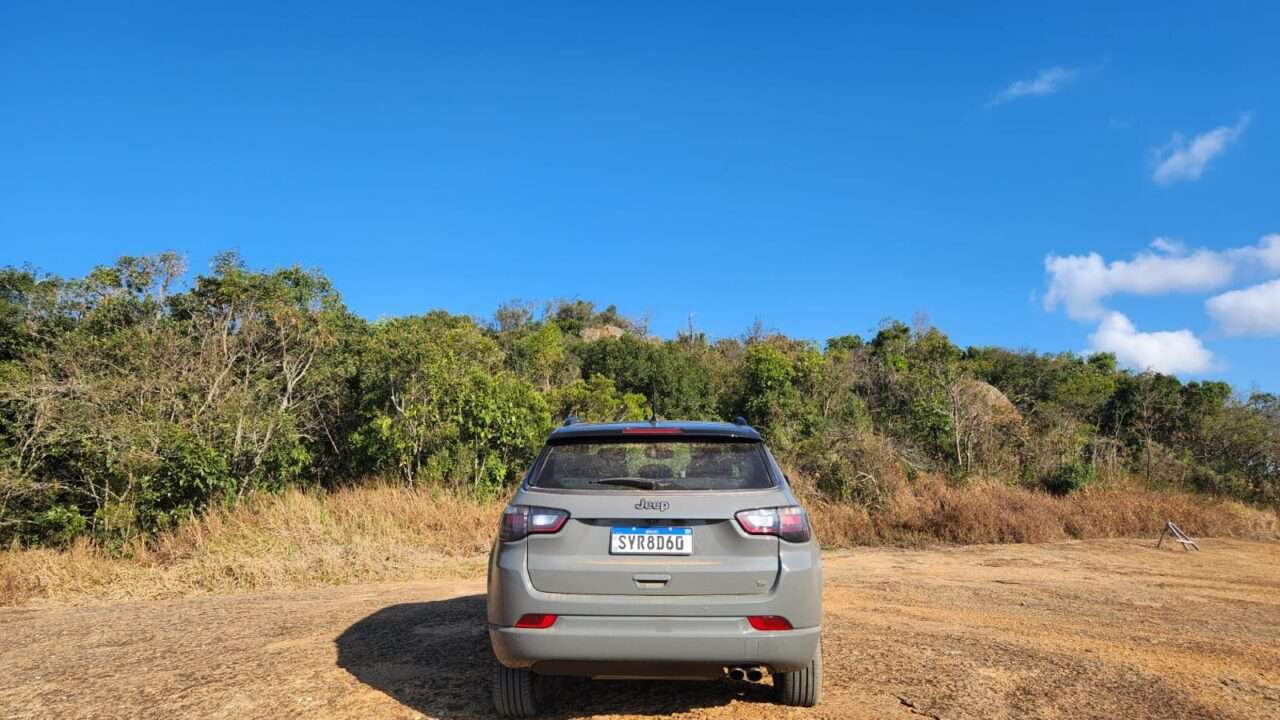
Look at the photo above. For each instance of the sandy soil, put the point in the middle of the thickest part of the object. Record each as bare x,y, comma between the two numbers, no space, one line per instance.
1088,629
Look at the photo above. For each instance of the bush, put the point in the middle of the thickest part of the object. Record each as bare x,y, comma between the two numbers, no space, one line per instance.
862,469
1207,481
1069,478
186,477
58,525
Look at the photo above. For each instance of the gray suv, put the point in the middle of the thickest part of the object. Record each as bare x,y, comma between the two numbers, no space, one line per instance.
655,550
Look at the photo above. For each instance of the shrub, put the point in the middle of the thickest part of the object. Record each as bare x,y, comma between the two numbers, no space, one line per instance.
187,475
1069,478
58,525
1207,481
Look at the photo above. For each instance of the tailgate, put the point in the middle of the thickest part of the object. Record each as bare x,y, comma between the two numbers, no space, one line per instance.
723,559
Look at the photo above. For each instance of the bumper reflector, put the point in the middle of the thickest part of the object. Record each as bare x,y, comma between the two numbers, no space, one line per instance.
769,622
536,621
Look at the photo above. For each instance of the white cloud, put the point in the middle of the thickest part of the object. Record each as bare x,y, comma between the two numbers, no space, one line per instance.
1049,81
1265,255
1168,245
1180,160
1252,311
1080,283
1171,352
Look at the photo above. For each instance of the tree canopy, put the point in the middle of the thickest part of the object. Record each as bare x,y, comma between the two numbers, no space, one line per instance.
135,396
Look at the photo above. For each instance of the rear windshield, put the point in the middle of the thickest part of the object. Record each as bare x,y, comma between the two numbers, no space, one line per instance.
655,465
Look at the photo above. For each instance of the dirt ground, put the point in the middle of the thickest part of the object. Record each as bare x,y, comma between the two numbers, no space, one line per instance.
1104,629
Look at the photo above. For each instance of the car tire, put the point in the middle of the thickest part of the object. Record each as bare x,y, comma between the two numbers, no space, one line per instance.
802,688
513,692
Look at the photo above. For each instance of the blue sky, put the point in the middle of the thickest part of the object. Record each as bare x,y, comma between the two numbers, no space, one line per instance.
820,167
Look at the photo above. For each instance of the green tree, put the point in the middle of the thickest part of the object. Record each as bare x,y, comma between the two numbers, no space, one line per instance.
415,378
541,355
596,400
504,422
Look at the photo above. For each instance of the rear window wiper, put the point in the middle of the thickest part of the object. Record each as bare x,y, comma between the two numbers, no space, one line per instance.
635,482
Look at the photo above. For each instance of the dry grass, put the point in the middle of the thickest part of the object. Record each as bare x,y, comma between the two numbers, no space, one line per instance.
288,541
987,511
380,533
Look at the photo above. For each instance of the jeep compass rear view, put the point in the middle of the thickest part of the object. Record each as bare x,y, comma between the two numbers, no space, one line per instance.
655,550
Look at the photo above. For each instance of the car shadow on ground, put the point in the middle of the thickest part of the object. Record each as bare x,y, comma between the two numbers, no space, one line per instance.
434,657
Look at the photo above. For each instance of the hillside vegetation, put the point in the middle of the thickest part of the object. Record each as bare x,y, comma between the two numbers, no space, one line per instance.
134,399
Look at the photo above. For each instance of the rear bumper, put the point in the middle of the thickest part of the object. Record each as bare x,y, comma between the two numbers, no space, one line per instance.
654,635
626,646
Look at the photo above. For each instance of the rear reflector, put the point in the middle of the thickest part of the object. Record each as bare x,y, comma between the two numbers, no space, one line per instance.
539,621
769,622
652,431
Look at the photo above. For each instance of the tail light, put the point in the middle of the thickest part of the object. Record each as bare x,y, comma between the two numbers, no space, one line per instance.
537,621
789,523
769,622
519,521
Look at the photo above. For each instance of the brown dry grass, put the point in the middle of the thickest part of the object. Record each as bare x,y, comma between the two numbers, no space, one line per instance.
988,511
292,540
299,539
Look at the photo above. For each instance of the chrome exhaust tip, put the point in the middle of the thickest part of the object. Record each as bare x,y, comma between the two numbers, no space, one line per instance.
752,674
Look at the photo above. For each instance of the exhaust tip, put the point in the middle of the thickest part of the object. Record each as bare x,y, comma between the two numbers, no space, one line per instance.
736,674
754,675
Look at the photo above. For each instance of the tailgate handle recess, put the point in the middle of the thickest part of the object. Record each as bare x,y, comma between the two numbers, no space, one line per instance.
651,580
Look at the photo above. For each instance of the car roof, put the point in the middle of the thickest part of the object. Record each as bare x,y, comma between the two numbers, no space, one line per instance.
670,429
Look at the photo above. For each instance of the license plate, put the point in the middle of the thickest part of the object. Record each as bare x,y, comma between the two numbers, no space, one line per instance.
651,541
